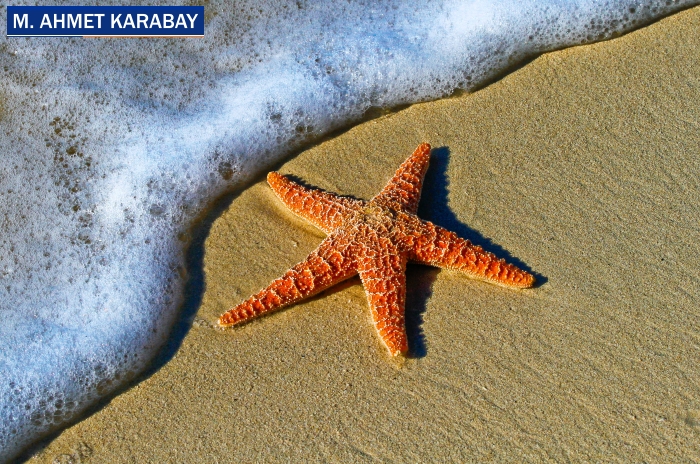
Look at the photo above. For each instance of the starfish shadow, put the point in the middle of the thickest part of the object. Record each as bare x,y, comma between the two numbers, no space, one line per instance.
304,183
419,279
419,288
419,284
434,207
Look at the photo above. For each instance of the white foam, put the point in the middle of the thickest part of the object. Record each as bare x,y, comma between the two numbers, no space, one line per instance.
110,148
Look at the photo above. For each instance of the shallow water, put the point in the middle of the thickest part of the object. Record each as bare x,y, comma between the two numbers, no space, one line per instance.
111,148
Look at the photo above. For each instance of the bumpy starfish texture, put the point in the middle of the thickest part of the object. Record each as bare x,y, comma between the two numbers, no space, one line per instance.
374,239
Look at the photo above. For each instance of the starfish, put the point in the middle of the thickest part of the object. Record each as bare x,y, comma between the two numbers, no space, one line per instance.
374,239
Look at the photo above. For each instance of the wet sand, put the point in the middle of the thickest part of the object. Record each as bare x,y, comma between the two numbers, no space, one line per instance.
582,167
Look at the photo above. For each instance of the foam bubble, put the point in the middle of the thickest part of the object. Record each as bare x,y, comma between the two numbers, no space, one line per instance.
110,148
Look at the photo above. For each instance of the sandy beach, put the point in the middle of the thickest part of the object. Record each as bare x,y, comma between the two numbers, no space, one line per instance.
582,167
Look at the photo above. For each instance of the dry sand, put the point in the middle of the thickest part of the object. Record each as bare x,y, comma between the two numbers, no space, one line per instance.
584,167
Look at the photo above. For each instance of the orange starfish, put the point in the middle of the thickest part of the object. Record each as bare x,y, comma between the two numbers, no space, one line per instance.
374,239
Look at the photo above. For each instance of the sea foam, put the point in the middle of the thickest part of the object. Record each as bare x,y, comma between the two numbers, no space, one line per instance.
110,149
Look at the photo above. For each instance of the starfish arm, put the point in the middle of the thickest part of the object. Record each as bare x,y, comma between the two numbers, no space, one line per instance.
435,246
384,279
323,209
324,267
403,190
